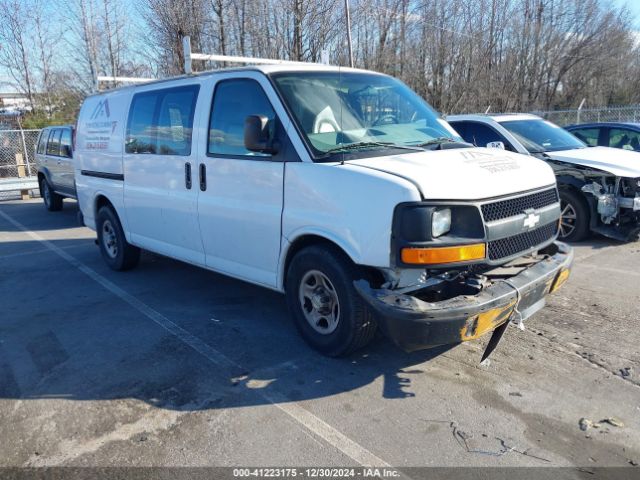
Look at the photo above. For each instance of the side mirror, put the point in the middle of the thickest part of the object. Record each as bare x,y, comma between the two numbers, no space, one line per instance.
499,145
256,135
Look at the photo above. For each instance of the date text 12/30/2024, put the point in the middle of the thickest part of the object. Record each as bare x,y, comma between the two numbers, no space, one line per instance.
316,472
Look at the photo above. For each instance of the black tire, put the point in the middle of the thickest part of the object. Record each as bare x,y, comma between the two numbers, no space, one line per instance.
52,201
116,251
356,325
576,216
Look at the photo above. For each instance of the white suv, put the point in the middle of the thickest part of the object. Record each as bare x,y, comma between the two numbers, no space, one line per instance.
599,186
341,188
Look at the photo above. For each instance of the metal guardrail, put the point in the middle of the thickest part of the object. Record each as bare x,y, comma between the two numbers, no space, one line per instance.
18,184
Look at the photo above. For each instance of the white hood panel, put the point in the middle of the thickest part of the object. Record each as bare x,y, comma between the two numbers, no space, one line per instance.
466,173
619,162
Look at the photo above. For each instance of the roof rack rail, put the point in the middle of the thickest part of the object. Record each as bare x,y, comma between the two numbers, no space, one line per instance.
105,78
189,56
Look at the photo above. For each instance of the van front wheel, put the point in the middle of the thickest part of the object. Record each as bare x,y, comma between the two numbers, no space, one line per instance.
116,251
328,312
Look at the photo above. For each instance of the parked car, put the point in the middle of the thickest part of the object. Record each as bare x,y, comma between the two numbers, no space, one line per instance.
341,188
608,134
54,158
599,187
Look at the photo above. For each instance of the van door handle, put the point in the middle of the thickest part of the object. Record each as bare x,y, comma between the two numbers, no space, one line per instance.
187,175
203,177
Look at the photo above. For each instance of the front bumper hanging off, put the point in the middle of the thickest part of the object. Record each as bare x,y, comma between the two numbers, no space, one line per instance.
414,324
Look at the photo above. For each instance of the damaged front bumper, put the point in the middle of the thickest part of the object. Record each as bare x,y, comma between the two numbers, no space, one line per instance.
414,324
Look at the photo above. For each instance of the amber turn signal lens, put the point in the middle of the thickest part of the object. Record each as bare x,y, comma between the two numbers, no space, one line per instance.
439,255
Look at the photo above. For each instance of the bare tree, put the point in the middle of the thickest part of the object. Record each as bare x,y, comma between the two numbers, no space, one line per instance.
170,21
15,51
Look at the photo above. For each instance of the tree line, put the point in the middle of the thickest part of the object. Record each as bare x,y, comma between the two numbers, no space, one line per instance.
460,55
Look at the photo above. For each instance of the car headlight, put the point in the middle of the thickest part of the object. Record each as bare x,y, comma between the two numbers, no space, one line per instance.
440,222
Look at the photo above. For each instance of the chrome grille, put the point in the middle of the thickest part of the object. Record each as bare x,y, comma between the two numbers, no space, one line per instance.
510,246
516,206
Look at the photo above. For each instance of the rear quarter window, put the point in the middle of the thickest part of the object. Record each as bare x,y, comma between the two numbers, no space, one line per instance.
65,143
53,146
42,141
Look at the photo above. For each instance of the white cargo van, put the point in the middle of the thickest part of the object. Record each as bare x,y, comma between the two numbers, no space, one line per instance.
341,188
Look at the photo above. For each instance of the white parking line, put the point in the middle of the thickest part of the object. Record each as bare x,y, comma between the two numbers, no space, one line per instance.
305,418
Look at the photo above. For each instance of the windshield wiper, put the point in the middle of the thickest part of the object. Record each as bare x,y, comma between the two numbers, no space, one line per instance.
355,146
435,141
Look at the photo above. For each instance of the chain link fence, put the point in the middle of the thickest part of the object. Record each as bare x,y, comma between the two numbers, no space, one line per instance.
630,113
17,158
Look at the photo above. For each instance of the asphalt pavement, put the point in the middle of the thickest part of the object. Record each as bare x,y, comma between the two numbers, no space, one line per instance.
172,365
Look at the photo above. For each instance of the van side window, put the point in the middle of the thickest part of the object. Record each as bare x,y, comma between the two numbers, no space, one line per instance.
42,142
175,121
140,130
161,121
53,147
65,143
233,101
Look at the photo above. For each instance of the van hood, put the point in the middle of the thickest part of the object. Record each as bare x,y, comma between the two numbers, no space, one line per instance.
466,173
619,162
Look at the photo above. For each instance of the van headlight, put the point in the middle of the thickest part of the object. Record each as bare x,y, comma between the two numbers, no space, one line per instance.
440,222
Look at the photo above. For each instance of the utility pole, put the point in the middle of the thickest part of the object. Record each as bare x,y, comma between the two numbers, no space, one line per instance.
346,7
186,50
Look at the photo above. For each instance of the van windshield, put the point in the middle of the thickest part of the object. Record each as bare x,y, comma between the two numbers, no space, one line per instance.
339,112
539,136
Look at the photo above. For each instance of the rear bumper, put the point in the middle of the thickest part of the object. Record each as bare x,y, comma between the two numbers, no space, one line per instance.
414,324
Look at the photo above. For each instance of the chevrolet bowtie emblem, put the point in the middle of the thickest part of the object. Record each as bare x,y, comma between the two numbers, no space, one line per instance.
531,220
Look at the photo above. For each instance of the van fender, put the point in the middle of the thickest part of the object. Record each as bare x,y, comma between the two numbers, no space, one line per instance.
118,205
349,248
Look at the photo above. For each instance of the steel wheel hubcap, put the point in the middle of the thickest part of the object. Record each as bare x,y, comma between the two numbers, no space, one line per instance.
109,240
568,219
319,302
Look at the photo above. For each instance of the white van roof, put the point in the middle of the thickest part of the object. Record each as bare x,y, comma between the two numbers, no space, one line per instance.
266,69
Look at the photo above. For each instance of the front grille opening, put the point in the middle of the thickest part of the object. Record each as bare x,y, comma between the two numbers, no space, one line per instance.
507,247
516,206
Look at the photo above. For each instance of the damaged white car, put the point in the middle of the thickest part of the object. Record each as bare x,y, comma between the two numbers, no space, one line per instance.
599,186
